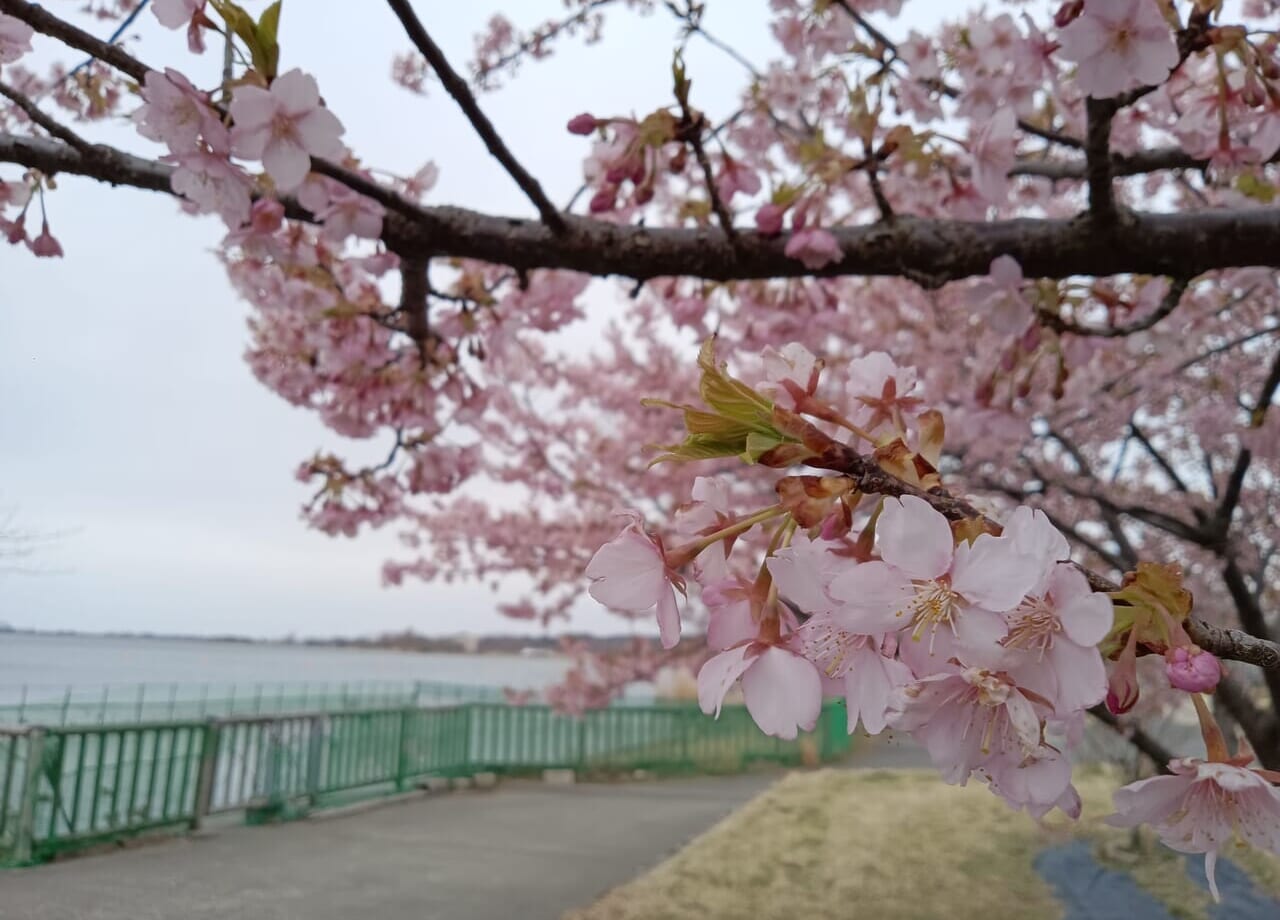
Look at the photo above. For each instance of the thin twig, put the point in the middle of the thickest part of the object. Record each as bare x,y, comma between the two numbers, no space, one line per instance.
457,87
1169,303
33,112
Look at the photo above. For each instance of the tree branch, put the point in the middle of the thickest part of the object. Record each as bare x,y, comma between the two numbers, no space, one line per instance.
38,117
457,88
935,251
1097,152
1172,297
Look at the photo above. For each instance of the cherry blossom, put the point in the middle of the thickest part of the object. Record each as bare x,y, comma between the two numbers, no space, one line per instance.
1000,296
968,717
174,14
15,38
1201,807
630,573
284,126
179,115
992,149
928,587
1119,45
782,690
814,247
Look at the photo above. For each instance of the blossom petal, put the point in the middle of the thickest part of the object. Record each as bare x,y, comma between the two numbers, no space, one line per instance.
914,537
868,688
1148,801
1086,616
783,693
627,573
718,675
286,163
874,597
991,573
668,618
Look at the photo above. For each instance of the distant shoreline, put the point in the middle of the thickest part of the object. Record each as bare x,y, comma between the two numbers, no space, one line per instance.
499,644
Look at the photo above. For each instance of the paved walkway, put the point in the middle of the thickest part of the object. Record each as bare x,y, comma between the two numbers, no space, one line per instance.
523,850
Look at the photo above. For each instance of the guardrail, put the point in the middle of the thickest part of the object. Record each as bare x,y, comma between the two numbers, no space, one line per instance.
64,788
34,704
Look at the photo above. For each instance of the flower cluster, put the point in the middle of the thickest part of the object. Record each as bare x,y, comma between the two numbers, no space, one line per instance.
984,642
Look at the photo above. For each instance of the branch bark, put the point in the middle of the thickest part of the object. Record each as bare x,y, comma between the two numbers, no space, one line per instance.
933,251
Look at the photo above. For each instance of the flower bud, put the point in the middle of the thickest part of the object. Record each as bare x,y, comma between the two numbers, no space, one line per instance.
583,124
1068,12
1192,669
603,200
769,219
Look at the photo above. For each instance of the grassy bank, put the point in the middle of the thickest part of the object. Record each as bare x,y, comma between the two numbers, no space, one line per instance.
893,845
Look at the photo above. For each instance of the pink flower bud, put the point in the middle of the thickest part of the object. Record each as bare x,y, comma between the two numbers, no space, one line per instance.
17,230
45,246
1030,340
1191,669
582,124
769,219
603,200
617,174
1067,12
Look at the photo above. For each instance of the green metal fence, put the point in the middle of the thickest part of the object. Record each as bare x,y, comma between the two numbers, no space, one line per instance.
62,788
35,704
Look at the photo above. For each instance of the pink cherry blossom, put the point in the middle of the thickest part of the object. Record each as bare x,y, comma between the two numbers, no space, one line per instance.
630,573
794,363
1119,45
933,590
1038,782
967,718
179,115
991,148
803,572
868,677
1202,807
213,184
782,690
1000,297
15,38
814,247
1193,670
284,127
174,14
881,392
1053,638
730,621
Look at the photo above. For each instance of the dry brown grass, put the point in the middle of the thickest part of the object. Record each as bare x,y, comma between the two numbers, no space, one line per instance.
888,845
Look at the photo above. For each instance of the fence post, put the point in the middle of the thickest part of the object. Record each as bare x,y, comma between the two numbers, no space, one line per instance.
402,750
315,754
25,833
208,772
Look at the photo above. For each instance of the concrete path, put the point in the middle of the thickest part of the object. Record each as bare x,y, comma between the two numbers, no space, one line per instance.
523,850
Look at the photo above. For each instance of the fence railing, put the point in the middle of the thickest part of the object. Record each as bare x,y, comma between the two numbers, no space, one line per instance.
62,788
32,704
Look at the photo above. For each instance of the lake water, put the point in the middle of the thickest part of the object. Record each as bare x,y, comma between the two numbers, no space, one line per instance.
48,663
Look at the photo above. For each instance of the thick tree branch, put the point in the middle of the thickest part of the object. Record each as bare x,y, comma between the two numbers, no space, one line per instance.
935,251
457,88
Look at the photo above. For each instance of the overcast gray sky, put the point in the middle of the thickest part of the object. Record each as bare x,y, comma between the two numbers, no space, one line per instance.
127,415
